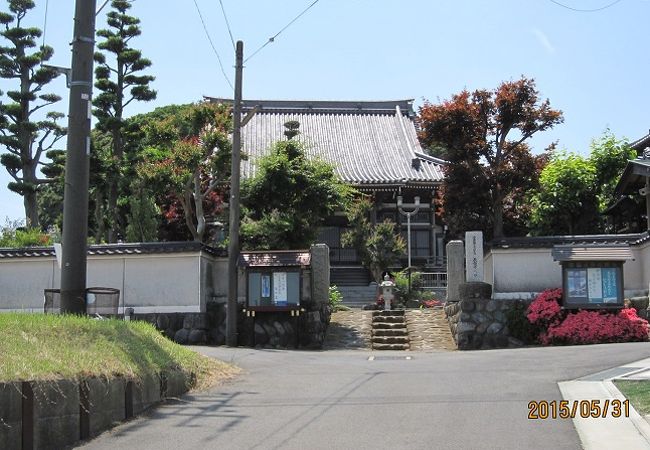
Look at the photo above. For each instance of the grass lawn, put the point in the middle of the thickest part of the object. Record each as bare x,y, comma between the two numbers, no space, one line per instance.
49,347
638,392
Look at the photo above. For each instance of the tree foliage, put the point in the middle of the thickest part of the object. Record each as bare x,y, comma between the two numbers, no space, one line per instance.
574,191
484,136
289,197
188,156
26,138
144,215
566,201
378,245
609,155
120,81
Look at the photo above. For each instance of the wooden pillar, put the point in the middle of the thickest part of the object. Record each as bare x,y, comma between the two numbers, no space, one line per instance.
647,202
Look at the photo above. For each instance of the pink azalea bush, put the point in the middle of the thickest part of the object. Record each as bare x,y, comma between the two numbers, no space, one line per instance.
583,327
545,310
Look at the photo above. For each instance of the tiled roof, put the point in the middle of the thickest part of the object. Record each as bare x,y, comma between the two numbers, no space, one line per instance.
117,249
640,144
368,143
633,177
551,241
607,252
278,258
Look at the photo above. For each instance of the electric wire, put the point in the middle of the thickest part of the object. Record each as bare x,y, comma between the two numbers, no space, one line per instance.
101,7
214,49
272,38
47,4
225,17
609,5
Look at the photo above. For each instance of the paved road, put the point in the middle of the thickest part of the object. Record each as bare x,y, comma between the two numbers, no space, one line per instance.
343,400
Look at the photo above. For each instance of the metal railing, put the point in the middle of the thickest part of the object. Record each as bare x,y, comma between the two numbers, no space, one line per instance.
433,280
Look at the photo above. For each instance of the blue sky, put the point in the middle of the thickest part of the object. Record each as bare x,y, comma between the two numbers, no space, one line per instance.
593,66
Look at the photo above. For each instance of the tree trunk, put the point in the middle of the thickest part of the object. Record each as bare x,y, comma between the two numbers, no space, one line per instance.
99,216
198,207
497,208
25,137
31,209
113,193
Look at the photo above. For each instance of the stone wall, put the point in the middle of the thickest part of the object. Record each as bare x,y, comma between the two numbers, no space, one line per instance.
57,414
265,330
477,321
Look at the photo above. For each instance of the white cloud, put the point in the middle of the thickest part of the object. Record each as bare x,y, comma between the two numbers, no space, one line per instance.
544,40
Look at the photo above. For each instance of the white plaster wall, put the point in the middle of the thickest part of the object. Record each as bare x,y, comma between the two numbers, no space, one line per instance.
176,282
642,254
524,270
488,265
22,281
166,283
633,274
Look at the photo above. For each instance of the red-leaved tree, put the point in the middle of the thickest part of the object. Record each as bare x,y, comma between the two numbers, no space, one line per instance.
484,137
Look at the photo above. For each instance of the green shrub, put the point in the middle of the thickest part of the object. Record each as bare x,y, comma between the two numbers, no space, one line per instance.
519,325
30,237
336,298
402,287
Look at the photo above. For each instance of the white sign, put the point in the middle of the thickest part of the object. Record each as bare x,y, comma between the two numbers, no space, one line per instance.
474,256
595,283
279,287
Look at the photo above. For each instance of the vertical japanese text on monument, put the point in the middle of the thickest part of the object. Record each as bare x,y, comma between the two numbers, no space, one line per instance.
474,256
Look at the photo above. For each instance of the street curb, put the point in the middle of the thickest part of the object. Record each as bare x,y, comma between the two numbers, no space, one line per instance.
632,432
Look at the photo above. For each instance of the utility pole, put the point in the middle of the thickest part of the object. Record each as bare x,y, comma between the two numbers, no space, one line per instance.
233,245
75,201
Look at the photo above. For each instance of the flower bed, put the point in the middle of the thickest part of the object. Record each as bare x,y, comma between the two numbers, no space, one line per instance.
555,326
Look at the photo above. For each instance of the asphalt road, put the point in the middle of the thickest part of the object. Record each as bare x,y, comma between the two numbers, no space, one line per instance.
343,400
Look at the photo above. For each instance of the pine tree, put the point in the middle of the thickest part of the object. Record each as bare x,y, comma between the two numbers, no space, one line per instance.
25,137
120,82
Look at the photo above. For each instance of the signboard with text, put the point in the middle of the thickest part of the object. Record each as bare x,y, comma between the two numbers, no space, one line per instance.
593,285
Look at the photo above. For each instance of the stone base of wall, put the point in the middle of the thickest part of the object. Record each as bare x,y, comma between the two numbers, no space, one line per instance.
479,322
265,330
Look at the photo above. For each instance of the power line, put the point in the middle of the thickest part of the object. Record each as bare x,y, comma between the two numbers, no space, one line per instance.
225,17
47,4
609,5
272,38
214,49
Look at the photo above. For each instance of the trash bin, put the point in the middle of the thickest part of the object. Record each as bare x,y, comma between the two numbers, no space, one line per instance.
52,301
103,301
99,300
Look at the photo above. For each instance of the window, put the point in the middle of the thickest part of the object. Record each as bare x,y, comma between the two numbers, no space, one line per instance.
420,240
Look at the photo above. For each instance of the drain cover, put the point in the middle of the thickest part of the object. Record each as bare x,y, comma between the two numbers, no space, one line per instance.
388,358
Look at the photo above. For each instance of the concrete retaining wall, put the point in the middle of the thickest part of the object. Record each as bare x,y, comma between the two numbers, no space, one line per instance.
11,415
57,414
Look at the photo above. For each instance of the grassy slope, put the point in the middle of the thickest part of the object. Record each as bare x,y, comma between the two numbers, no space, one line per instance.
47,347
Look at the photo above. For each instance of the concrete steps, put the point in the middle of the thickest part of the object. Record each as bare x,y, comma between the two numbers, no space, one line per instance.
389,330
358,296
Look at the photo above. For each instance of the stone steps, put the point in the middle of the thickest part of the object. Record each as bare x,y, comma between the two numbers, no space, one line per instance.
390,339
390,346
389,330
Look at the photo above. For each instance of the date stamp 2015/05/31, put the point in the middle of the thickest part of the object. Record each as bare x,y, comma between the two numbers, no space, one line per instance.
565,409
